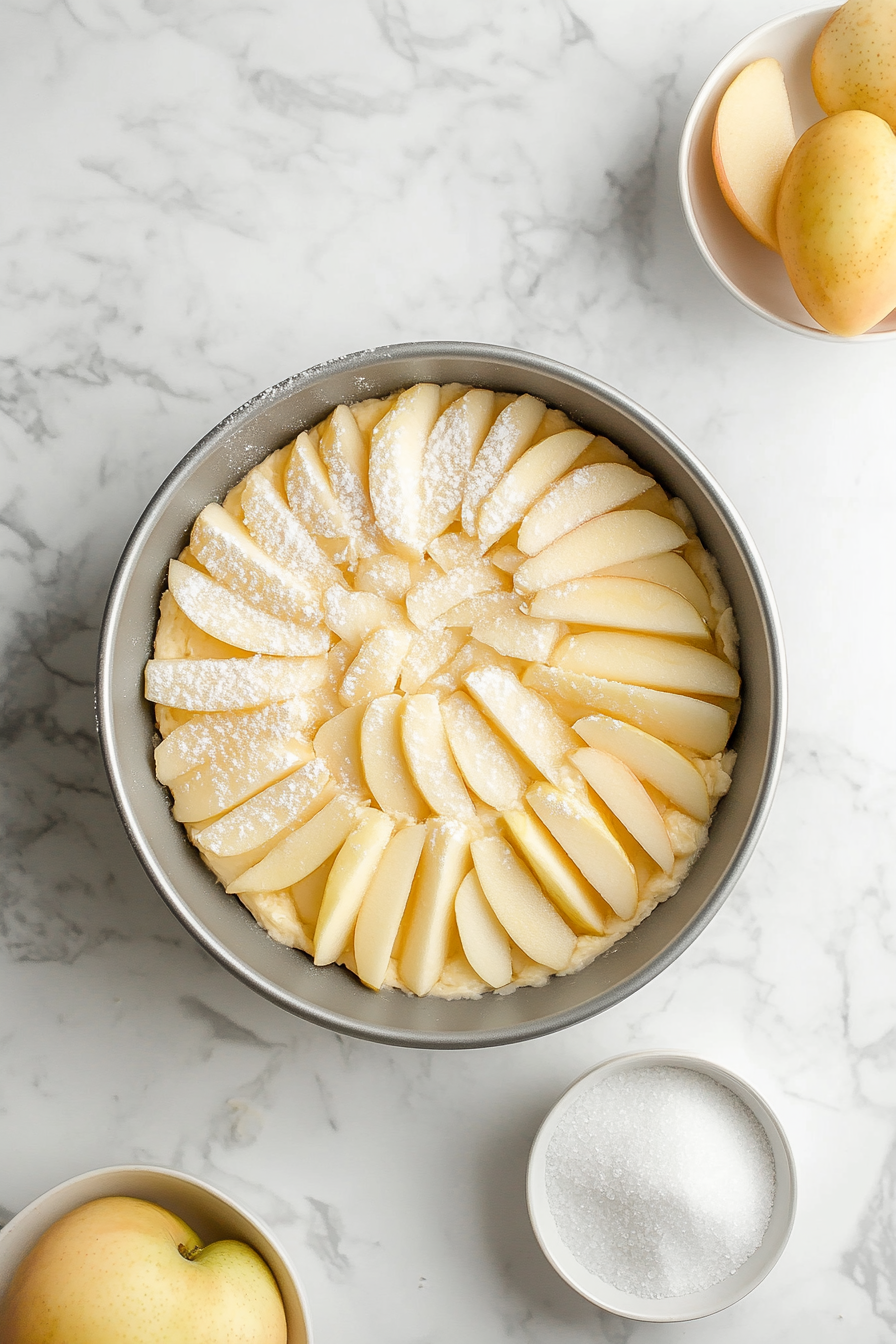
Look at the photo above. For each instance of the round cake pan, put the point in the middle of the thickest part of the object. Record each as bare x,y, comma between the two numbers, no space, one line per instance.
330,996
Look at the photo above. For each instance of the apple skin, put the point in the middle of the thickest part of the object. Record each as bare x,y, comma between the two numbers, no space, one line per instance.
111,1272
837,221
854,59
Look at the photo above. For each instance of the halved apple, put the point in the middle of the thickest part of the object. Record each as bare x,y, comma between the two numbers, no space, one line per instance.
645,660
303,850
520,904
382,757
208,685
682,719
610,539
384,904
624,794
751,142
443,864
584,494
580,829
485,943
652,760
350,876
229,617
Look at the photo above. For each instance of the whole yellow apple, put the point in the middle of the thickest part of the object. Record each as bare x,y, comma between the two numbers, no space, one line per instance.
125,1271
836,221
854,61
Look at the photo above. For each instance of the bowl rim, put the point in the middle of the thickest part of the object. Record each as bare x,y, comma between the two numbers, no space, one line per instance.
526,363
124,1169
706,92
756,1103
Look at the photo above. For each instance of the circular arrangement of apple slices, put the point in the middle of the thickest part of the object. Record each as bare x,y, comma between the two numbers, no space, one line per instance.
445,688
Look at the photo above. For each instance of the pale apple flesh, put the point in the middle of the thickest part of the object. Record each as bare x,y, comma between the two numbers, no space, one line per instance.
751,141
124,1269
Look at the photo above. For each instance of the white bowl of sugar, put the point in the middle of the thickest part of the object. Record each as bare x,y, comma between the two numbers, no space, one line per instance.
661,1187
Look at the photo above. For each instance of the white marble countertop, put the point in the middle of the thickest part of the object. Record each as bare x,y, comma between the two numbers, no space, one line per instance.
201,197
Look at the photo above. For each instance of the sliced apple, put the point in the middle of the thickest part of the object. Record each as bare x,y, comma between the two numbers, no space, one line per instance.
338,743
485,943
426,750
377,666
353,615
222,739
344,453
576,899
529,477
207,685
651,760
384,904
443,863
382,757
645,660
452,549
506,558
608,540
226,549
177,636
624,794
308,894
670,571
310,494
584,494
485,762
229,617
430,599
396,466
349,879
508,439
290,802
688,722
388,576
203,793
520,905
479,608
282,535
429,651
751,142
580,829
303,850
517,635
621,604
449,453
524,717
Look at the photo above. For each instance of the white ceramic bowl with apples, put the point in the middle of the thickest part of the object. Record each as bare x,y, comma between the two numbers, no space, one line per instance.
212,1215
751,272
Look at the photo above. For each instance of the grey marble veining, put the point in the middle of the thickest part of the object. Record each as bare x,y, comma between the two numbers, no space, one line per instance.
200,198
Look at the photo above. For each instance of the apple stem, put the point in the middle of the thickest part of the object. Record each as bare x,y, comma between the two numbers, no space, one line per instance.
187,1253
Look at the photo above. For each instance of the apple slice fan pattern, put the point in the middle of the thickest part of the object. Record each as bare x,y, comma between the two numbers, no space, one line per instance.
444,690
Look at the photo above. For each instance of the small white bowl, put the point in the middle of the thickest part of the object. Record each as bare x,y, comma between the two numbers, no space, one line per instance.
689,1308
211,1215
751,272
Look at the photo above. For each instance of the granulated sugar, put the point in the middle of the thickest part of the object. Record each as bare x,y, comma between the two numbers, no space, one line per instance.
660,1180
